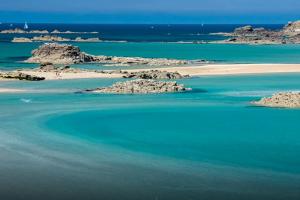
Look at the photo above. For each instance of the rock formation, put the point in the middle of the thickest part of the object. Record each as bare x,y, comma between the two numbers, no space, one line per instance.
141,86
292,28
21,40
282,100
58,54
68,54
290,34
53,38
16,30
79,39
71,32
154,74
20,76
21,31
43,38
49,38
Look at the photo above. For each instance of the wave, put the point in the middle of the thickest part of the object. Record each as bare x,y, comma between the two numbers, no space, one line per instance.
26,100
254,93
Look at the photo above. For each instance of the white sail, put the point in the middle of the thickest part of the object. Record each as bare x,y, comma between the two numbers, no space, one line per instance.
25,25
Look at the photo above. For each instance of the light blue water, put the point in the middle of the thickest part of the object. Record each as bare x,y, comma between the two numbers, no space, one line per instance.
12,54
209,143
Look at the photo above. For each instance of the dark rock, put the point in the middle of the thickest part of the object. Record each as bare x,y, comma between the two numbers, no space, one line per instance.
154,74
21,76
140,87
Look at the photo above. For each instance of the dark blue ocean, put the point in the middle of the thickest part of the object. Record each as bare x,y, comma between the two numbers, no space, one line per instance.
140,33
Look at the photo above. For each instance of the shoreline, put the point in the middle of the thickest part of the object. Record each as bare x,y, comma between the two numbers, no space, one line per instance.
193,71
11,90
229,69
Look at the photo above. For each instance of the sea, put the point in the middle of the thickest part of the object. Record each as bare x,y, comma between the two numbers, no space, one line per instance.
210,143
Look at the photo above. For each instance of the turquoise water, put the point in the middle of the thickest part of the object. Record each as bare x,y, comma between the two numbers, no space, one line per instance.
207,144
12,54
210,143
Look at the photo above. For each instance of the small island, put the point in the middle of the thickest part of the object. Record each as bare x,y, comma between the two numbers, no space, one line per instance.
53,38
67,54
21,31
281,100
141,86
290,34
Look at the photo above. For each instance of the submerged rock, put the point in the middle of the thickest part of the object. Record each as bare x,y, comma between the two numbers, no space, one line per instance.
20,76
154,74
141,87
283,100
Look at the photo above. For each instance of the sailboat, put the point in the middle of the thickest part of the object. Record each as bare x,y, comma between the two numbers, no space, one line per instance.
25,26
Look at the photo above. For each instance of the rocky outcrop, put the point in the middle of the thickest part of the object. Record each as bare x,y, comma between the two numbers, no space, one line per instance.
43,38
243,30
53,38
292,28
290,34
138,61
20,76
68,54
49,67
58,54
21,40
21,31
10,31
282,100
141,87
49,38
154,74
79,39
71,32
39,32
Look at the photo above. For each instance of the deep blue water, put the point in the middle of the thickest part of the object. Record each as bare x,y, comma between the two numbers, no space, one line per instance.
140,33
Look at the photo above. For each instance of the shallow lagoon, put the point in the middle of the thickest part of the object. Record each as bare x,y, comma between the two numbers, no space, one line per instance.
209,143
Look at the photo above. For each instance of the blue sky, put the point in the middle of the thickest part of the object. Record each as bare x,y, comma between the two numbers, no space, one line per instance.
150,11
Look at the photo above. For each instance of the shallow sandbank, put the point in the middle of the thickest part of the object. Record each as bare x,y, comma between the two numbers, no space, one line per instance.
230,69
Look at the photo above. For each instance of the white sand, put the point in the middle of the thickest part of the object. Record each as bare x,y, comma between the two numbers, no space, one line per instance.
71,75
203,70
10,90
231,69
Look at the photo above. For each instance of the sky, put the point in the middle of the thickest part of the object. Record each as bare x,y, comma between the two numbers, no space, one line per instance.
150,11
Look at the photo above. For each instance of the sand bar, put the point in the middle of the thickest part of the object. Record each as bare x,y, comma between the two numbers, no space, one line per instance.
231,69
203,70
11,90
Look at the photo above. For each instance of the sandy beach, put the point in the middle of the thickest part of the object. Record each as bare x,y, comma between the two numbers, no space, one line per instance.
232,69
70,75
203,70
